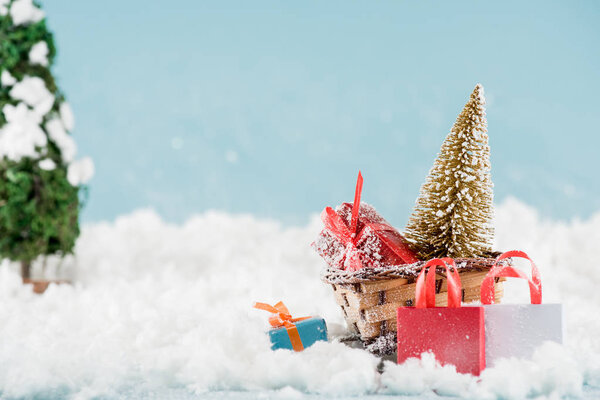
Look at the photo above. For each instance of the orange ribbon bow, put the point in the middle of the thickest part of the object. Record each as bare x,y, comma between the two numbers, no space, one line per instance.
281,317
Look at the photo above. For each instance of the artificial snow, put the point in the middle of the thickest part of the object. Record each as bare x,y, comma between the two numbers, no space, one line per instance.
39,54
47,164
32,90
6,79
80,171
158,306
4,7
64,141
67,117
21,133
25,12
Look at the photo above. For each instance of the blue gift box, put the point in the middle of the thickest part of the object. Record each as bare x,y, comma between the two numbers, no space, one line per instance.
310,331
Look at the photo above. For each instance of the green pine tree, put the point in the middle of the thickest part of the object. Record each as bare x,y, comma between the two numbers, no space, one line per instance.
452,216
39,181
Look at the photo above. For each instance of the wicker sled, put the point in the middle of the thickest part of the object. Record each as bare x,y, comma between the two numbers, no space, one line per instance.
370,297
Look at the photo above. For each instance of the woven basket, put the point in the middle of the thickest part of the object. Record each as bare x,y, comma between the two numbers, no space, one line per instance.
370,297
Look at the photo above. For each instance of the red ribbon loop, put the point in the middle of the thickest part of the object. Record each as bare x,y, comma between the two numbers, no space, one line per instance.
425,288
507,271
338,228
336,225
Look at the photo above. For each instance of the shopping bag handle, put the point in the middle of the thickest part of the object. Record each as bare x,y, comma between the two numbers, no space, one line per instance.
508,271
425,288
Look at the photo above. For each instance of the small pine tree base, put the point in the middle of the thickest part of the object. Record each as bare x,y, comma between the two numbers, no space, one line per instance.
39,286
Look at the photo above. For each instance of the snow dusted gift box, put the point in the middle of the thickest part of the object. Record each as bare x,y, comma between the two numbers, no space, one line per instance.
356,236
455,334
515,330
292,333
372,271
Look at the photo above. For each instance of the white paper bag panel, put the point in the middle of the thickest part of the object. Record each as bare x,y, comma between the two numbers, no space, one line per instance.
515,330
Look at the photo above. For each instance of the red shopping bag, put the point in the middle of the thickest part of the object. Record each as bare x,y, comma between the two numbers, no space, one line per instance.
454,334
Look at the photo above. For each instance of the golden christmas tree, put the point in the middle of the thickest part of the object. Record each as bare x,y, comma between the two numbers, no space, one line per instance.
452,216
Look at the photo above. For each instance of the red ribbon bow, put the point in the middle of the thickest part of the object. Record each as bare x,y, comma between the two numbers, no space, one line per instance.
349,235
281,317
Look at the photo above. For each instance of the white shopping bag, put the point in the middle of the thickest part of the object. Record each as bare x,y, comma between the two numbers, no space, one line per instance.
515,330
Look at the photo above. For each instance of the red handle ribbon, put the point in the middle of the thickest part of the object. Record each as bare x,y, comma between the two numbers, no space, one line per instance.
425,289
281,317
507,271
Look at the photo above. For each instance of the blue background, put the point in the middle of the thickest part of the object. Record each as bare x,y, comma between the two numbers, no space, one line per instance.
272,107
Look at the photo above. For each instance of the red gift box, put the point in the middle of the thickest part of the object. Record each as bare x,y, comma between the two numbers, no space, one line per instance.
455,334
356,236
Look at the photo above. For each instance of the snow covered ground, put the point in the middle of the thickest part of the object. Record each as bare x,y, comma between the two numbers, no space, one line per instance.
164,311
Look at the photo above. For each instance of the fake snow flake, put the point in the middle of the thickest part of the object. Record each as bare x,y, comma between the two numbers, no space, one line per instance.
25,12
66,115
58,134
21,134
39,54
4,7
80,171
47,164
7,79
33,91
